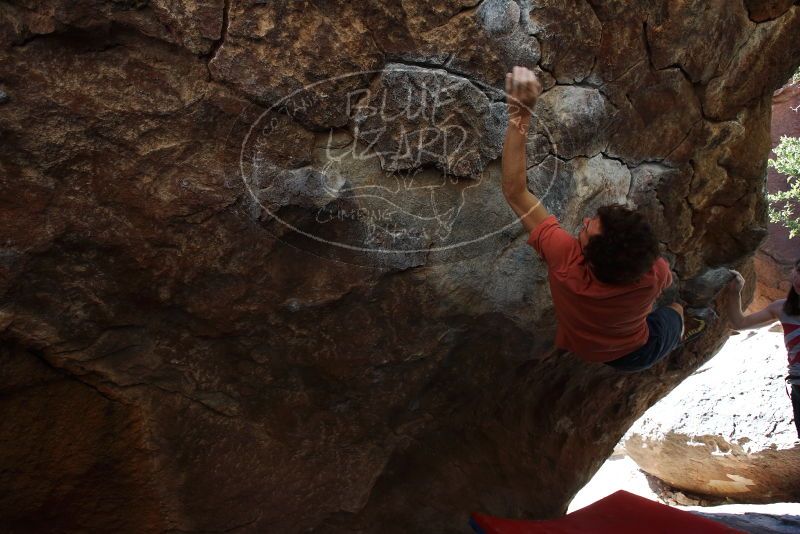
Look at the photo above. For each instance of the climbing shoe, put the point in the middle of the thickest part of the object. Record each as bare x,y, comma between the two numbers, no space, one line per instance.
696,320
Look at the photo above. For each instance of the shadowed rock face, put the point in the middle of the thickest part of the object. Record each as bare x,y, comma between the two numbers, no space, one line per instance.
266,325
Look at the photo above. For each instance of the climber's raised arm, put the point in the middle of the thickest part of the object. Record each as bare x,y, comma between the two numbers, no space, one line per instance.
522,91
740,321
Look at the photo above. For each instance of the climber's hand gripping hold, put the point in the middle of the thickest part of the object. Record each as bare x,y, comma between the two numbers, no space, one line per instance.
522,92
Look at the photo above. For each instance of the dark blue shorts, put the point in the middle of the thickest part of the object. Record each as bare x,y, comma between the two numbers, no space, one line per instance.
665,327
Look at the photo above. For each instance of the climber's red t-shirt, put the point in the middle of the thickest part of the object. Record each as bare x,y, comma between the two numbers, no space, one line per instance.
596,321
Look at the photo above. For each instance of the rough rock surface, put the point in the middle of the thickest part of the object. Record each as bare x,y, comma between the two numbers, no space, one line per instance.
776,256
726,431
223,310
758,519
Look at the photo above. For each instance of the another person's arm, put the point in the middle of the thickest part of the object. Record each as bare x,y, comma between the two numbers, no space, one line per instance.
523,89
738,320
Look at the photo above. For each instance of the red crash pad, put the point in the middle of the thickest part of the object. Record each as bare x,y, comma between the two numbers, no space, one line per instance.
619,513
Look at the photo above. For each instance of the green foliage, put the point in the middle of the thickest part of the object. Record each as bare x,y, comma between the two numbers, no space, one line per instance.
796,76
782,204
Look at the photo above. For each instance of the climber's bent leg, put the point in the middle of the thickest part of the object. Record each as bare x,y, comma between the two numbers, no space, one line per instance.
665,327
678,308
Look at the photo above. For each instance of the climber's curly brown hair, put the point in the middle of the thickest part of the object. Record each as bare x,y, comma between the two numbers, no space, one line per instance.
625,249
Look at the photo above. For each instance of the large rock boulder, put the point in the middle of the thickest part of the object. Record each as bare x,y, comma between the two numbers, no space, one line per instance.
262,247
780,518
726,431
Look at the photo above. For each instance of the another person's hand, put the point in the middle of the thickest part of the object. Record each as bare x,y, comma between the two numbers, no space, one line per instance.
522,89
737,282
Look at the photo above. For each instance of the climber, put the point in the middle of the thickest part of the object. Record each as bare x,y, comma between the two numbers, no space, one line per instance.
605,282
787,311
